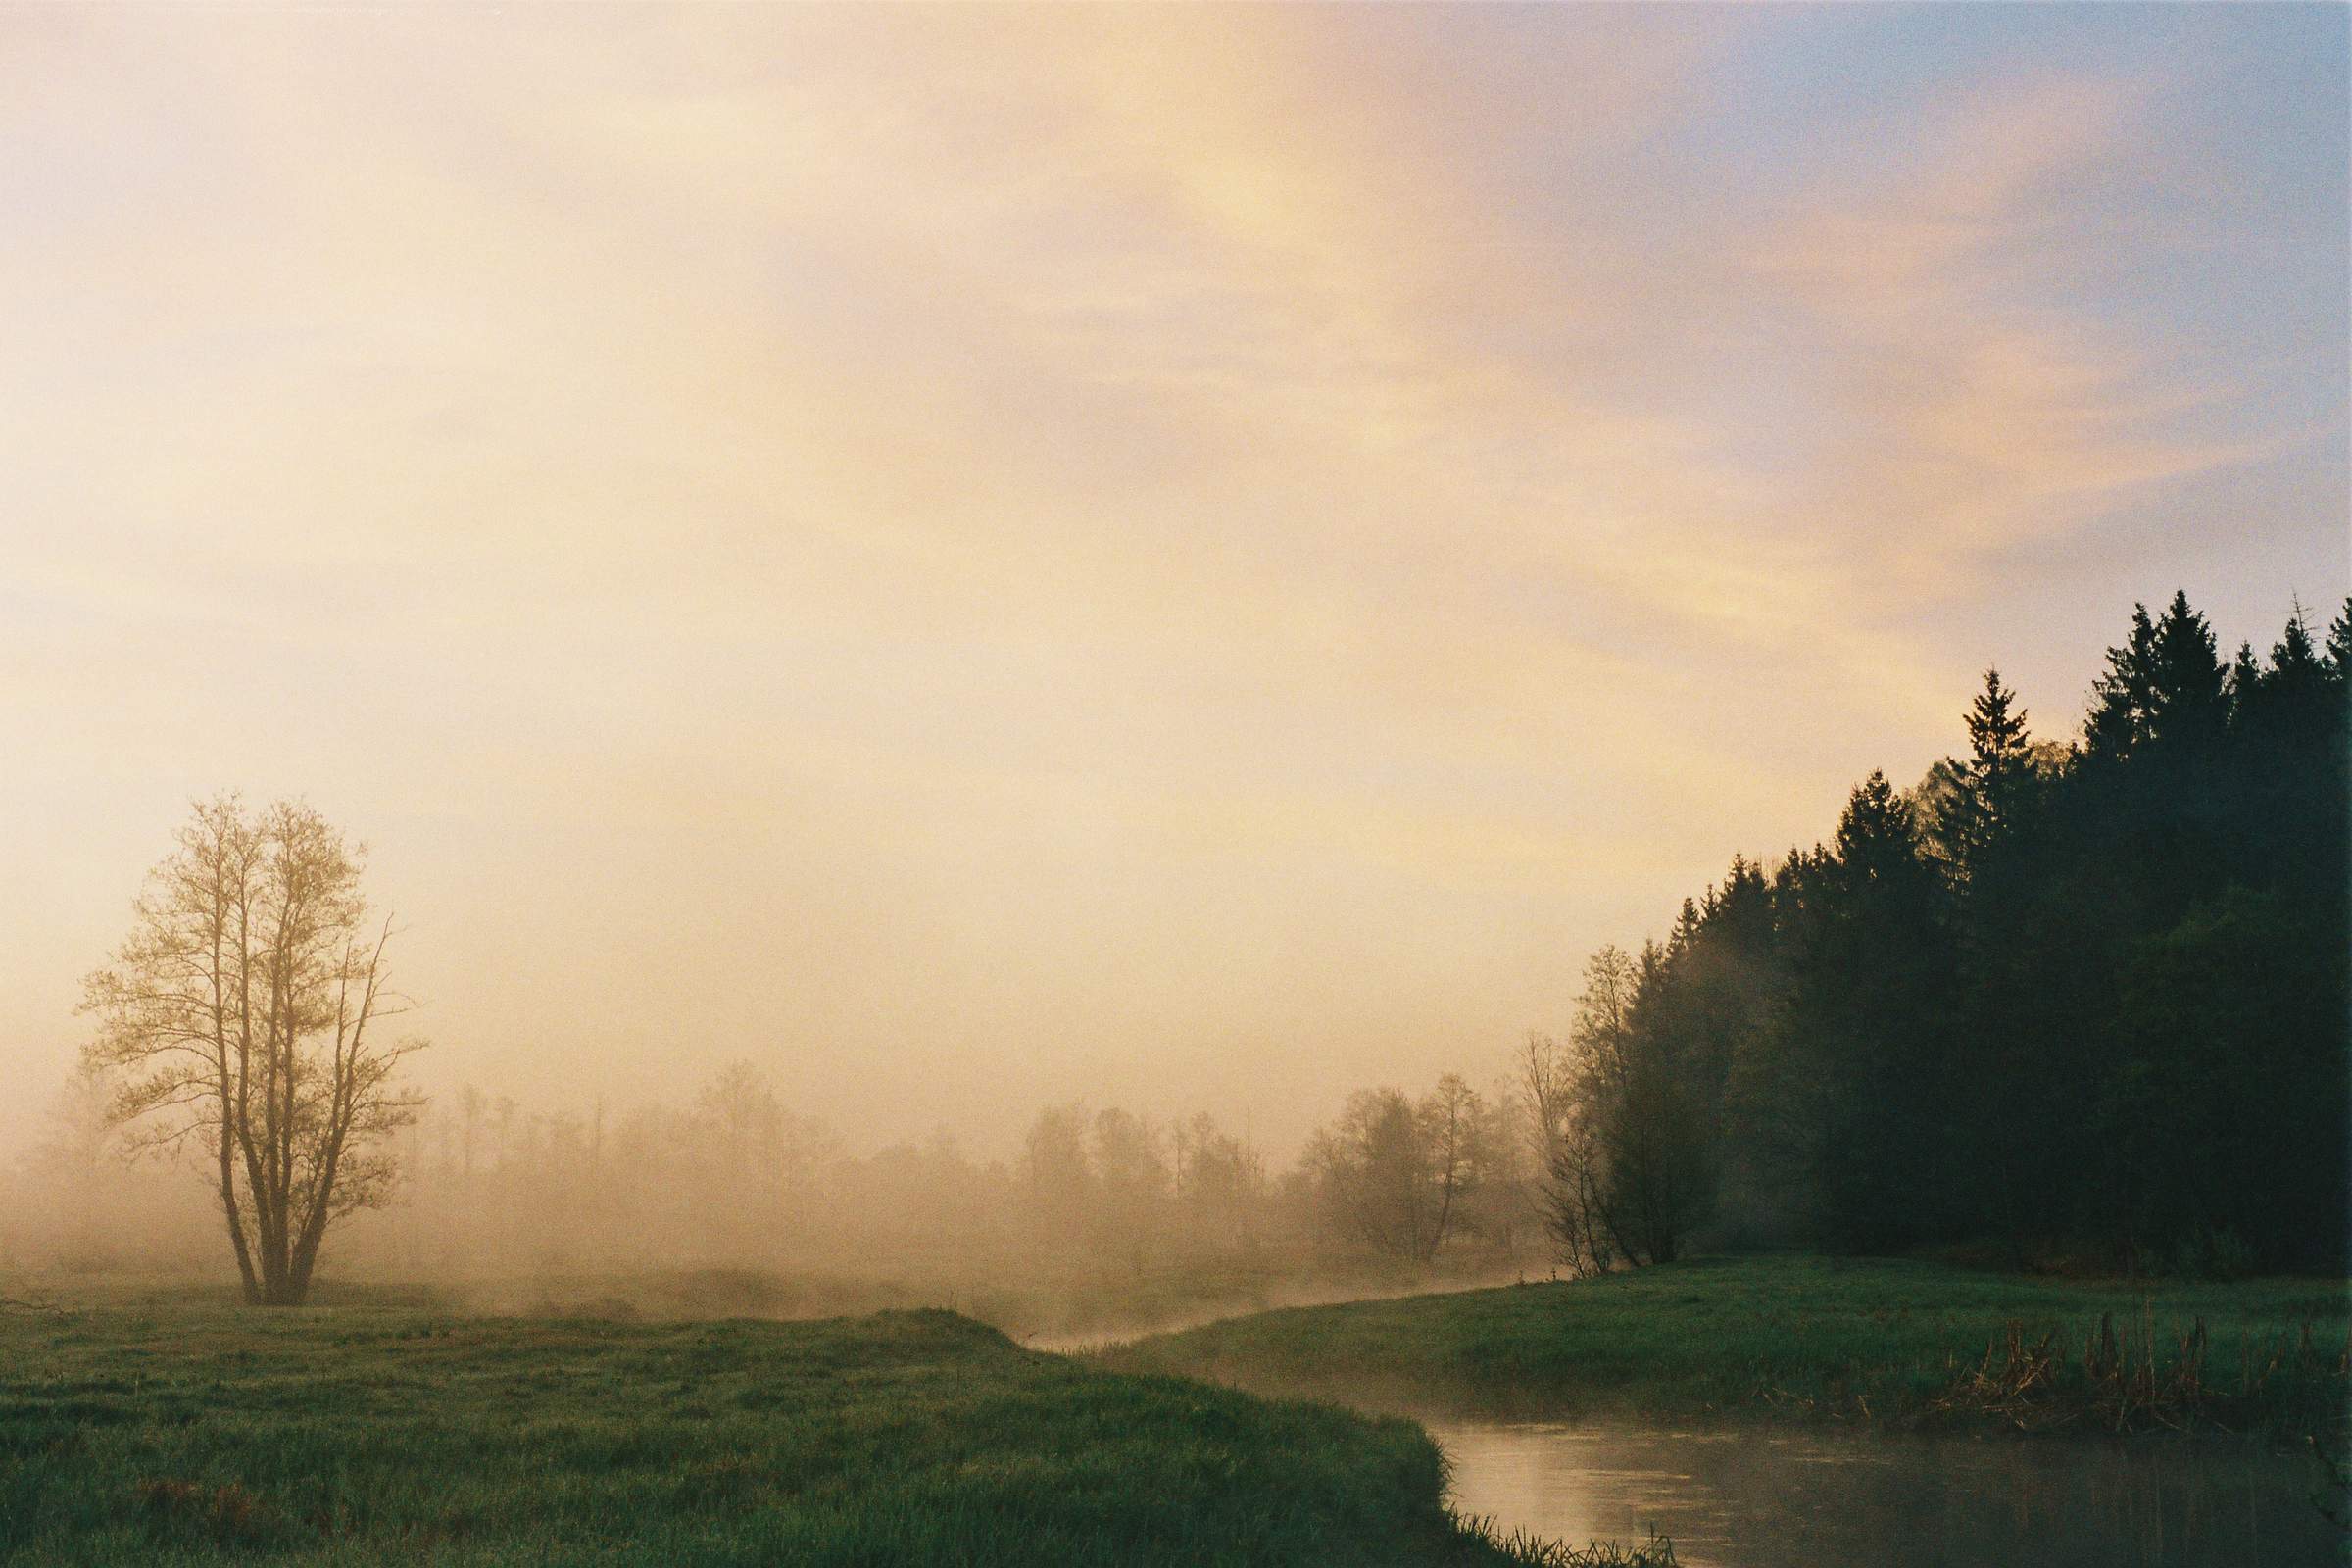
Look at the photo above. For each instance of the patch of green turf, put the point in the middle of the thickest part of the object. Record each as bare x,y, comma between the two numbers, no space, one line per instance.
1867,1338
372,1435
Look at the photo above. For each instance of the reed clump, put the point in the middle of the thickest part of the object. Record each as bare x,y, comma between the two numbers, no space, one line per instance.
1533,1551
2136,1376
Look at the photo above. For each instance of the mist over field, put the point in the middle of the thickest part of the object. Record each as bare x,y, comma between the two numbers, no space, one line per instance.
1189,560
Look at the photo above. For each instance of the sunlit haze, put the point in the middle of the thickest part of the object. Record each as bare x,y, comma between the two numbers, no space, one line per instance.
1196,559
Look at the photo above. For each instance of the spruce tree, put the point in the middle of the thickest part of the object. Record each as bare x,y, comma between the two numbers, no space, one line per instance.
2243,686
1996,779
2188,701
2125,696
1875,997
2296,690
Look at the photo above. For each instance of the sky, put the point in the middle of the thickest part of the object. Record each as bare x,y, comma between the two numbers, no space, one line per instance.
1199,559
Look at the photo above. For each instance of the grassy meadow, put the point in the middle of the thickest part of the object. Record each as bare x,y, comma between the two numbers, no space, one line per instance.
1851,1339
382,1426
188,1433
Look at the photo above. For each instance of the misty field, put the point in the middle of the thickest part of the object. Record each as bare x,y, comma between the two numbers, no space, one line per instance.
1811,1337
184,1433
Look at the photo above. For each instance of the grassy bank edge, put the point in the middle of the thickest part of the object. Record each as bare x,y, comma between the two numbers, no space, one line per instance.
365,1435
1793,1337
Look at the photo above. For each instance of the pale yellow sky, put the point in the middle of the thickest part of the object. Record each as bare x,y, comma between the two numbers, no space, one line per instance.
1191,558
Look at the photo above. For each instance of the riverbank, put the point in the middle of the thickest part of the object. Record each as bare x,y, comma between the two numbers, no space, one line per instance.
1049,1302
1871,1340
194,1434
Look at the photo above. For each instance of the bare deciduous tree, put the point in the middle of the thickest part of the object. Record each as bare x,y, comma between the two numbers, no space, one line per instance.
1450,1117
1568,1160
1397,1174
1619,1134
246,1012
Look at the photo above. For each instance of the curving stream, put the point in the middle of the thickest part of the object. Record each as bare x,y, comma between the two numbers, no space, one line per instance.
1766,1498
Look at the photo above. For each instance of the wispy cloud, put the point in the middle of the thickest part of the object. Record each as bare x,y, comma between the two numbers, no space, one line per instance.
1083,521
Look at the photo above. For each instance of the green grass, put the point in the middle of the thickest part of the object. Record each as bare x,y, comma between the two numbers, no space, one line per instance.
185,1434
1854,1339
1048,1300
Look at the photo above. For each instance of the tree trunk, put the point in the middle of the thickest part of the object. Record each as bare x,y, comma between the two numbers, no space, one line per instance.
236,1225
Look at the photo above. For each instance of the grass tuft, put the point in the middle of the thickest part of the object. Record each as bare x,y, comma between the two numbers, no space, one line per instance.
1533,1551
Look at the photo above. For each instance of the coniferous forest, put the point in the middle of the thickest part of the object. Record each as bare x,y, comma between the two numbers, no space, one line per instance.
2075,1001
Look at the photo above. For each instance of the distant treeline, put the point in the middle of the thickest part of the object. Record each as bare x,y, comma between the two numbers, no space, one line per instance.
2079,1002
734,1178
2062,1001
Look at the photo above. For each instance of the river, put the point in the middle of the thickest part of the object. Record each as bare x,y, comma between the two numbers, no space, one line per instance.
1753,1497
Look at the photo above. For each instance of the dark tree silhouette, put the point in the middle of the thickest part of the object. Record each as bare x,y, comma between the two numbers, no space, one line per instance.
2089,1000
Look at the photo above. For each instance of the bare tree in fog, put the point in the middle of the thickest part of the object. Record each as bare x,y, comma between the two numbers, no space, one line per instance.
1620,1120
472,1102
1131,1179
1059,1178
1398,1175
751,1165
1451,1117
76,1161
245,1011
1220,1182
1568,1160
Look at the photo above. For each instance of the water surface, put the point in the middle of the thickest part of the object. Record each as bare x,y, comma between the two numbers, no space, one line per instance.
1779,1497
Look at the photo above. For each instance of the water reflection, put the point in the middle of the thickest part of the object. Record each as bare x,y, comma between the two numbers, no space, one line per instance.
1756,1497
